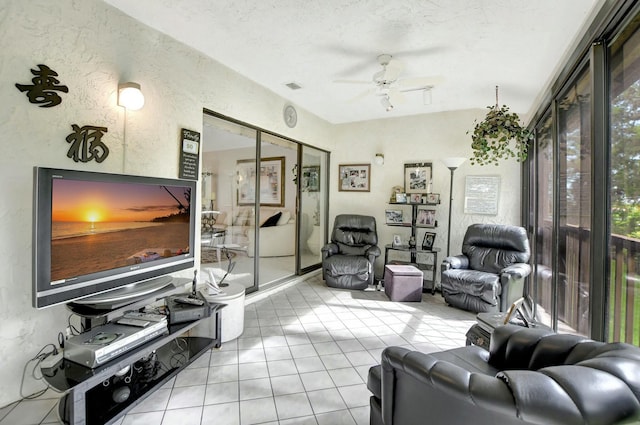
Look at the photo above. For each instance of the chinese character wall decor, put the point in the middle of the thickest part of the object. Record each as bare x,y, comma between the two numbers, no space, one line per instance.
44,87
86,143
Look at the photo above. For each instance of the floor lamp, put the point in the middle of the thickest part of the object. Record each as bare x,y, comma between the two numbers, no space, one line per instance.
451,163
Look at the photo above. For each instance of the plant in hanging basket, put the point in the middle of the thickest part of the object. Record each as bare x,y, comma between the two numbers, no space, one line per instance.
499,136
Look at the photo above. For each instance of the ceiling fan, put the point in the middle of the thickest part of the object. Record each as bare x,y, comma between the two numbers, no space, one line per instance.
389,86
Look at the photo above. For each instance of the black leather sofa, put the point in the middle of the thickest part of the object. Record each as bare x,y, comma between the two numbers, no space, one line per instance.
529,376
347,261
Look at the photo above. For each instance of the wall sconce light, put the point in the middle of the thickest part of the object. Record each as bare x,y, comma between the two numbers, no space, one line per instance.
130,96
386,103
379,159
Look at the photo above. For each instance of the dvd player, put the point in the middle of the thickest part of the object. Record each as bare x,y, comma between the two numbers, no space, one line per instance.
104,343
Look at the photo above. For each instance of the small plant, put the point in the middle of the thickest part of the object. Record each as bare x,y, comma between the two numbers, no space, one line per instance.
499,136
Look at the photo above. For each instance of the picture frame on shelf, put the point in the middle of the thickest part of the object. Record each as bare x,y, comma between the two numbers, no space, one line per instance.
428,240
397,241
393,216
271,181
416,198
433,198
417,177
354,177
401,198
426,217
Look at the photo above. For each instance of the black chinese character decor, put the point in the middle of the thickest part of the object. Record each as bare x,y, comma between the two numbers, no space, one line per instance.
43,90
86,143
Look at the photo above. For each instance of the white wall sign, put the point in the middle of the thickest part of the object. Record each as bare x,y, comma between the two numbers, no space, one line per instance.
481,195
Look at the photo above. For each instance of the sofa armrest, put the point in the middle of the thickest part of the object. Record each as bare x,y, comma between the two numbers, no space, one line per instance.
328,250
516,271
512,347
455,262
413,372
373,252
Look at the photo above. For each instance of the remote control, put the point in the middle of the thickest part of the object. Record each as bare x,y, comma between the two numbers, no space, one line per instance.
186,300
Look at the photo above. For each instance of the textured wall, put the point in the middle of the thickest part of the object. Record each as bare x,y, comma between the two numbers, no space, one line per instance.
431,138
93,47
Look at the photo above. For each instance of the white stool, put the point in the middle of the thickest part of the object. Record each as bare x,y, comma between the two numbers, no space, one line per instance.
232,315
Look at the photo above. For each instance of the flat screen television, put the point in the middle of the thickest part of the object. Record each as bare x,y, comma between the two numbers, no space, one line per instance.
97,233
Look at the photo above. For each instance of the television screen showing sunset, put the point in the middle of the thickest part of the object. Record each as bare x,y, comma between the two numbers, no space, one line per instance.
98,226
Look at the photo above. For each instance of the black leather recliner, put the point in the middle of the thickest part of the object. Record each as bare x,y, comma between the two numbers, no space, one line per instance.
529,376
347,261
489,275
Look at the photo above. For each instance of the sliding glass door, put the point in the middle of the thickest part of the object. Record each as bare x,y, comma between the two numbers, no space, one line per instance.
312,178
228,194
276,225
624,238
574,141
264,201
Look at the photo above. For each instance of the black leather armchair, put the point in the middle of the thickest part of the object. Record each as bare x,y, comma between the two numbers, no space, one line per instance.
347,261
529,376
489,275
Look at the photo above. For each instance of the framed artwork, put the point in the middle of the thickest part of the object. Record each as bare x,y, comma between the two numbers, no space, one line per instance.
311,178
393,216
397,240
417,177
481,195
271,181
354,177
433,198
426,217
401,198
416,198
428,240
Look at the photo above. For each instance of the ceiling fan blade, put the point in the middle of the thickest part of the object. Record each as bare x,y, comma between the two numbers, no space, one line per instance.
418,82
396,96
362,95
352,81
393,70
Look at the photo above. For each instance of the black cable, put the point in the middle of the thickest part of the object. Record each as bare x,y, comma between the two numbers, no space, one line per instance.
38,358
74,330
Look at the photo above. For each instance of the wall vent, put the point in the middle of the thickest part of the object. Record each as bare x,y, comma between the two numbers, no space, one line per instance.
293,86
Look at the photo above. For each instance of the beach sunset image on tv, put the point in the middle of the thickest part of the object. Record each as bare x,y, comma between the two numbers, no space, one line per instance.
99,226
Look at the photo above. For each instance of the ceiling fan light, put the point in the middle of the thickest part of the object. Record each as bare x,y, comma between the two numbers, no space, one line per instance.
386,103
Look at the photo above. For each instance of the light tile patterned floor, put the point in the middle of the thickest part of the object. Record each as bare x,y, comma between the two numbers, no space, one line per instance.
303,359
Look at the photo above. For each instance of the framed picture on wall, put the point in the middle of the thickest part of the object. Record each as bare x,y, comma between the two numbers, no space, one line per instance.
354,177
417,177
271,181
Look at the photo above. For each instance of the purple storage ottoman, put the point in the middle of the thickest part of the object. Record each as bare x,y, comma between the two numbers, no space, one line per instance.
403,283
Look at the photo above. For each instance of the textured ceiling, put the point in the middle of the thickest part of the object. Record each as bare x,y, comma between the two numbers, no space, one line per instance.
473,45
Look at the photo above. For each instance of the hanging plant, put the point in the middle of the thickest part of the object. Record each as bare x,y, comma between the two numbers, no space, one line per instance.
499,136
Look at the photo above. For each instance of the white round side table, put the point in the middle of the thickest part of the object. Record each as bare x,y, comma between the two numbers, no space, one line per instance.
232,315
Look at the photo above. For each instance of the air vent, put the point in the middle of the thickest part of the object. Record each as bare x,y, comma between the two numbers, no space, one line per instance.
293,86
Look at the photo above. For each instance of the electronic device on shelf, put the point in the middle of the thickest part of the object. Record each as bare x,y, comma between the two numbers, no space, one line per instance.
104,343
185,308
112,211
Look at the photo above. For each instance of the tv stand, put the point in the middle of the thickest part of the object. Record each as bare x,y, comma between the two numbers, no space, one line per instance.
107,392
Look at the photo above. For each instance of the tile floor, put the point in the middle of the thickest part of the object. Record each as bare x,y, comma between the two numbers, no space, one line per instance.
303,359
